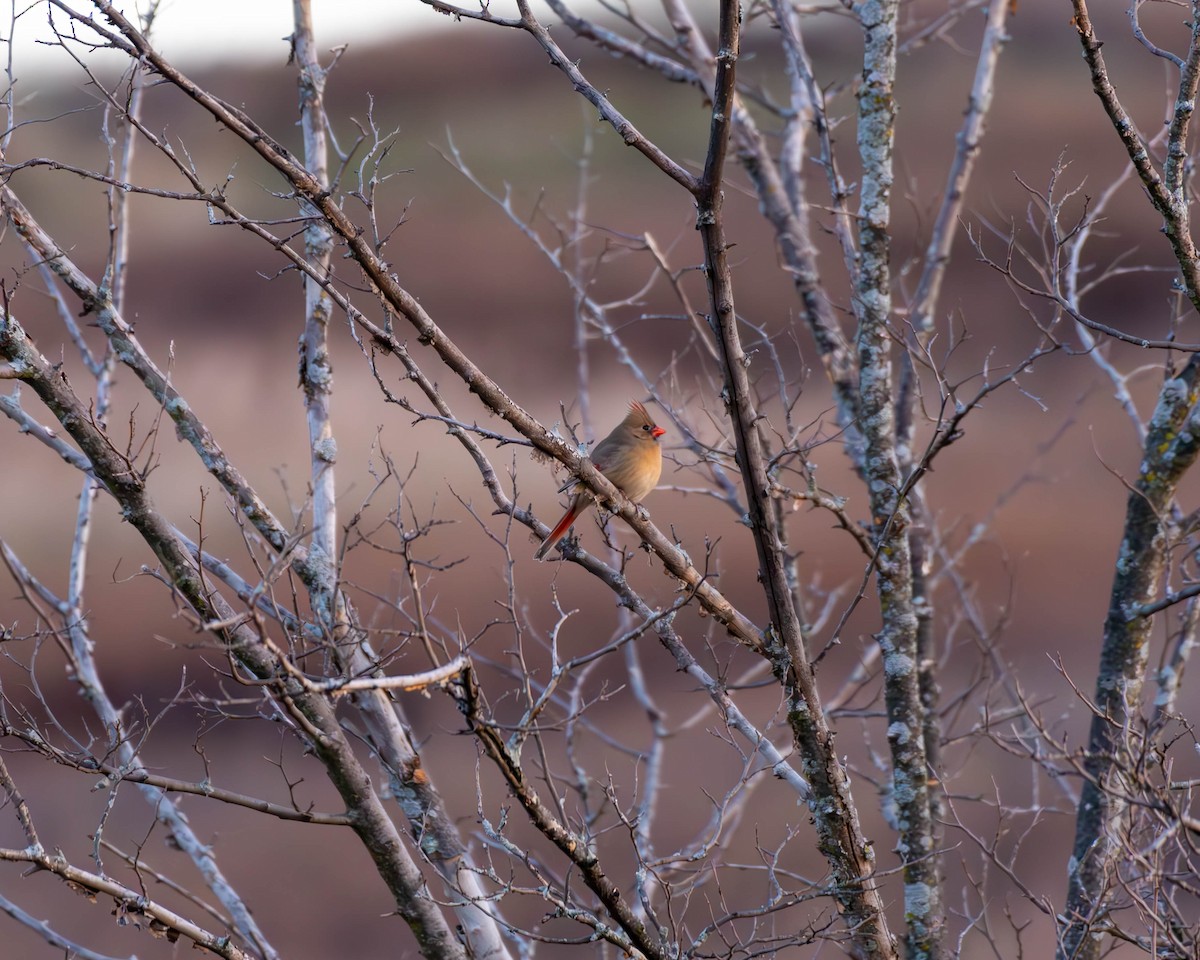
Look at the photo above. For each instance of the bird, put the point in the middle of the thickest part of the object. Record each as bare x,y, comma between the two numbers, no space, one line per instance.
630,458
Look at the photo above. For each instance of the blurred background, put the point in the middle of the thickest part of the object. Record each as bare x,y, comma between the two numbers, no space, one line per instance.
1040,465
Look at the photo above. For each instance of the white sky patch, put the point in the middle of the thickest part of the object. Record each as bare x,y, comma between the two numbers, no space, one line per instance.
203,32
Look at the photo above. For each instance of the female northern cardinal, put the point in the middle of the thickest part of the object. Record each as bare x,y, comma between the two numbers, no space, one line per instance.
629,457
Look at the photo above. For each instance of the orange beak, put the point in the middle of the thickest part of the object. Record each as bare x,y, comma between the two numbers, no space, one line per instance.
658,432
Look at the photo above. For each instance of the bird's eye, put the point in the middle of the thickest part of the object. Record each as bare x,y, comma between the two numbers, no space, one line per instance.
645,426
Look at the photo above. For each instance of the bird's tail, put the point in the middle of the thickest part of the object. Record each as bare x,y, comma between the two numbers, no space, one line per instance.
559,531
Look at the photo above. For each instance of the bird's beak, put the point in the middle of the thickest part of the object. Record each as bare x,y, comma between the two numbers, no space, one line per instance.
658,432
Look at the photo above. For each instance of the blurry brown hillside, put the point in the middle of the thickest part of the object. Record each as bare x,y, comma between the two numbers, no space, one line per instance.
1041,464
219,298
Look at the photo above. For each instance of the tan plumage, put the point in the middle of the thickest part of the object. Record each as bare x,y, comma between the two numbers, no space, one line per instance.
629,457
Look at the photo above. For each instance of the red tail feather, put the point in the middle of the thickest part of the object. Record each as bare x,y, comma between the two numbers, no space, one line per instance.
559,531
